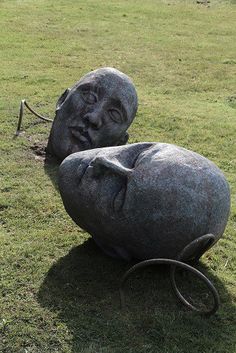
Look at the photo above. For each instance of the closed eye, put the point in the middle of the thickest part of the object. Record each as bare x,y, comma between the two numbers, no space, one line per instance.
119,198
115,115
89,97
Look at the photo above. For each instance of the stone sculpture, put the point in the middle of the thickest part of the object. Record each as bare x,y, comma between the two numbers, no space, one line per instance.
144,200
95,112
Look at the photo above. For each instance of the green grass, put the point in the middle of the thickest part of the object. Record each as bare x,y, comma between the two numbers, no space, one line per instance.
58,292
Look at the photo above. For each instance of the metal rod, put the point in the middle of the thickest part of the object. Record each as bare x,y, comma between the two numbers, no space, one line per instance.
21,113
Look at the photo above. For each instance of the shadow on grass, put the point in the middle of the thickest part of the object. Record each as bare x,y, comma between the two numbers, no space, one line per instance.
50,163
82,288
51,168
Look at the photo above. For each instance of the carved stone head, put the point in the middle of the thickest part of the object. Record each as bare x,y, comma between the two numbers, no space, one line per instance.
144,200
95,112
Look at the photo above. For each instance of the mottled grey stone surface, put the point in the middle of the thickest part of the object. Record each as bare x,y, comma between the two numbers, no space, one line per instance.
144,200
95,112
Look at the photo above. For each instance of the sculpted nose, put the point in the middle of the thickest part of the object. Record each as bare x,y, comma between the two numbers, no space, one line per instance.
94,118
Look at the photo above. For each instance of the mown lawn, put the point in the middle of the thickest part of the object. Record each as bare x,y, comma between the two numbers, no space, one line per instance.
58,291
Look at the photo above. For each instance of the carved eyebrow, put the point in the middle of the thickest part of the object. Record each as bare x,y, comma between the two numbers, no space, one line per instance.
116,103
90,86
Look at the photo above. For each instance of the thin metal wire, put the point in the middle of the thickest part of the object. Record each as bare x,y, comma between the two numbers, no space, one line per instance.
178,263
21,113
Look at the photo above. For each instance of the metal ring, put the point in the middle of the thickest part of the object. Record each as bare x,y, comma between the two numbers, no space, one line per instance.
174,263
211,239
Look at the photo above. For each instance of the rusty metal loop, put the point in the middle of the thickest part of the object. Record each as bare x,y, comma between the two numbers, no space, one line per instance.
21,113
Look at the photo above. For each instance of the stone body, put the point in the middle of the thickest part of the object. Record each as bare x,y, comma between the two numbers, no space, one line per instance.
144,200
95,112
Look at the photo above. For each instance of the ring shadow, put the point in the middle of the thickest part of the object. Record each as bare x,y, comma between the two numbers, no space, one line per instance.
82,288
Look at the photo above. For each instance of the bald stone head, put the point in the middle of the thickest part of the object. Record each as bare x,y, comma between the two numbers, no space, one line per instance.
144,200
95,112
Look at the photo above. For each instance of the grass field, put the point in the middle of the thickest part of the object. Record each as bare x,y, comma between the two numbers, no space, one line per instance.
58,291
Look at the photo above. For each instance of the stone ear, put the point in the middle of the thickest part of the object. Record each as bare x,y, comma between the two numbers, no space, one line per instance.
62,98
123,140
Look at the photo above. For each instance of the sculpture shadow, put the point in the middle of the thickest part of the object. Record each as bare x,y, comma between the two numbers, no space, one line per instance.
50,163
82,288
51,168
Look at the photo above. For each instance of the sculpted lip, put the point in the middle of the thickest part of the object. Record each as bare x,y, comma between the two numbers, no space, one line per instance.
80,134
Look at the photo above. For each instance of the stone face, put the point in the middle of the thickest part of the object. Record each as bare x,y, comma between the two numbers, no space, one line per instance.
95,112
144,200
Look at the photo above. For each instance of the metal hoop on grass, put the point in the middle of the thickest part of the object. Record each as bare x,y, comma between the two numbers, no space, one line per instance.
210,238
179,263
21,113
